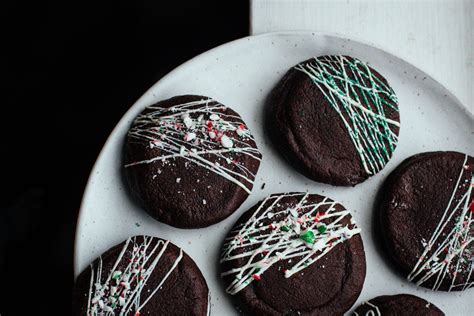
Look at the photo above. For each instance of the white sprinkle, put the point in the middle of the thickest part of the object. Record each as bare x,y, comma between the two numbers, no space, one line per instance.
178,180
294,212
214,117
226,141
204,202
95,300
190,136
187,120
154,176
212,134
270,214
121,301
200,117
159,171
182,150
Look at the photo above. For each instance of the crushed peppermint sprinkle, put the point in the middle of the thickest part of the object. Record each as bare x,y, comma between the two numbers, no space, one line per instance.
214,117
189,136
121,291
226,141
197,131
187,120
286,237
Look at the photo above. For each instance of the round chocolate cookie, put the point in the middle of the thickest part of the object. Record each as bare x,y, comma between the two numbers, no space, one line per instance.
190,161
141,276
294,254
427,219
399,305
335,119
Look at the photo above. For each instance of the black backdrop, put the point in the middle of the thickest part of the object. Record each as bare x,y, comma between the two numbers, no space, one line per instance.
69,72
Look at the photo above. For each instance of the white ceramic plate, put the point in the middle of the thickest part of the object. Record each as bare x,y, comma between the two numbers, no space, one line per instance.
240,74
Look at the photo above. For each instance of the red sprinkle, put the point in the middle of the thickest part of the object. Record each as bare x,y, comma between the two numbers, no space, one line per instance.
256,277
241,126
471,206
271,226
318,216
209,125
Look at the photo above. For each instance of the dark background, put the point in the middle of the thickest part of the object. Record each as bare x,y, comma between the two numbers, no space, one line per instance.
69,72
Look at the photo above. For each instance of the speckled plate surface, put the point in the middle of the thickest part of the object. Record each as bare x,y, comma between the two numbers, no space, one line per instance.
241,74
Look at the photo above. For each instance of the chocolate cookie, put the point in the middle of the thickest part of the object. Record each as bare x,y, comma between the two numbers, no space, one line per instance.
190,161
399,305
142,276
335,119
427,219
294,254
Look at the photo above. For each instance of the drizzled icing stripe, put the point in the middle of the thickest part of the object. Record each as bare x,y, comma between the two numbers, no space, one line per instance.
368,127
456,246
194,131
121,292
375,311
302,231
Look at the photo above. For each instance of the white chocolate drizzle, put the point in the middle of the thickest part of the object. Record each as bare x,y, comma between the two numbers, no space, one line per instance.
351,97
120,293
450,252
374,310
197,131
303,233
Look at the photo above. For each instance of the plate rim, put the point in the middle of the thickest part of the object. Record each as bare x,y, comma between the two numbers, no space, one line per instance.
80,216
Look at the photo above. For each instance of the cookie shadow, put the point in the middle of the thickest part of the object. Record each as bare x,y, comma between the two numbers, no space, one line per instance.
381,245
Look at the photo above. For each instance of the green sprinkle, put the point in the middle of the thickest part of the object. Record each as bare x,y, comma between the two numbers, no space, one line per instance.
308,236
116,275
285,228
322,229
